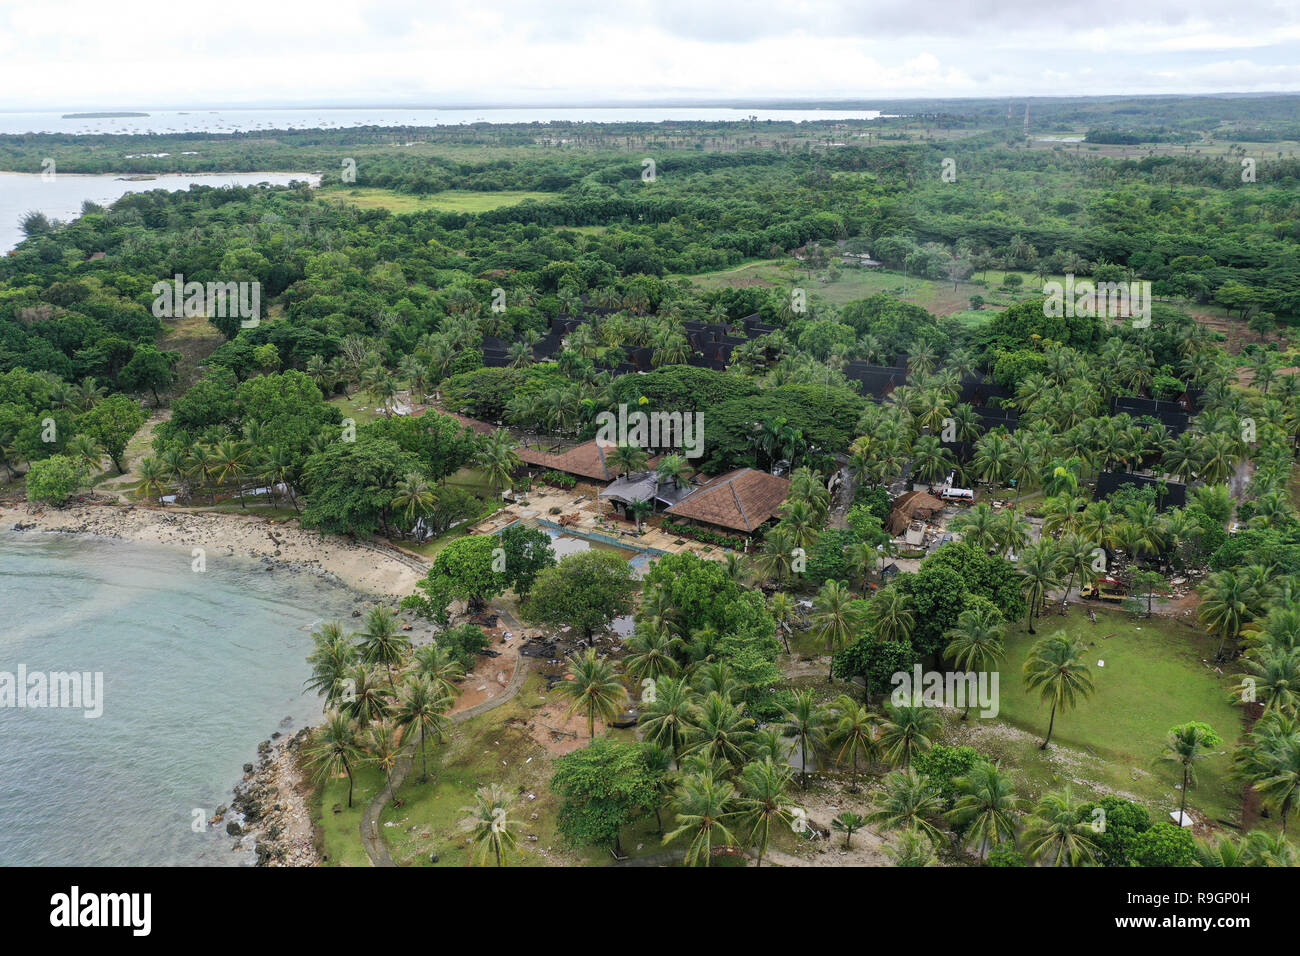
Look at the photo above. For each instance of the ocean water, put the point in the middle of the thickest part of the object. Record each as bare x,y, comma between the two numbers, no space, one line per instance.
237,120
61,196
197,669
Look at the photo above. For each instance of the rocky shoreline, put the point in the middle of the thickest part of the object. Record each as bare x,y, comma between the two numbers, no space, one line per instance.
272,806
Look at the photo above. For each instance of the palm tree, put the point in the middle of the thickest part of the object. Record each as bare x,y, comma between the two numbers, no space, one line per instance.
836,617
667,719
230,464
421,708
806,486
801,521
1270,763
775,559
383,747
986,807
413,498
705,807
720,731
978,526
593,689
336,748
1038,566
490,825
913,849
848,823
908,801
782,608
1054,833
673,468
1056,669
627,459
639,509
1225,606
908,729
805,719
364,699
975,644
650,653
497,457
382,643
889,615
764,801
1186,744
854,732
436,664
153,478
333,656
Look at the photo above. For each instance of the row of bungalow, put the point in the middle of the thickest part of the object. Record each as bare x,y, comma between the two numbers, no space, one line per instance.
738,502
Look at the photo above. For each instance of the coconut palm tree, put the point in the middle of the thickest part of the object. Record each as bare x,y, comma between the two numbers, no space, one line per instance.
705,809
435,663
640,509
490,825
1056,669
627,459
673,468
889,615
497,457
764,801
667,719
1186,744
1225,606
594,689
975,644
806,719
421,709
854,733
986,807
651,653
1039,575
782,608
413,498
836,618
1270,763
907,730
381,743
848,823
720,731
153,478
382,642
1055,835
775,558
363,699
335,748
908,801
333,656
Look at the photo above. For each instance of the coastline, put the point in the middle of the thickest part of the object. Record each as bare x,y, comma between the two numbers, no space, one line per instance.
270,804
370,569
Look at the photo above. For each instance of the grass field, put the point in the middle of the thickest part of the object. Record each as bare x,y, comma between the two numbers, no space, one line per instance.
452,200
1152,680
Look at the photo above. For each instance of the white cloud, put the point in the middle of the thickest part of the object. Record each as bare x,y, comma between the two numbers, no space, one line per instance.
78,54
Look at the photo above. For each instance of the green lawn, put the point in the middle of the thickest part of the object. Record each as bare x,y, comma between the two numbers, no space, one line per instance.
451,200
338,825
1153,679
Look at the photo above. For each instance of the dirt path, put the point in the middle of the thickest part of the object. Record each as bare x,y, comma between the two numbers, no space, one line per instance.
371,839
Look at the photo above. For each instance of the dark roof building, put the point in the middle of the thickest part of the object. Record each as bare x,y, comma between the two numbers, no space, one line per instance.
740,500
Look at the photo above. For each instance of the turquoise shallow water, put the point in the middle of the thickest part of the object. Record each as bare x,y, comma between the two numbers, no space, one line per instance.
197,669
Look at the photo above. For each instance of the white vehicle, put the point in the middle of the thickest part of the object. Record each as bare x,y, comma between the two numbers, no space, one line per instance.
957,494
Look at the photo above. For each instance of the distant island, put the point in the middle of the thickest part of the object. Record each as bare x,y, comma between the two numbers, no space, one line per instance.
102,115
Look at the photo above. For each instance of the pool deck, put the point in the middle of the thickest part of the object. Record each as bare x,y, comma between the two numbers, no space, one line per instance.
580,512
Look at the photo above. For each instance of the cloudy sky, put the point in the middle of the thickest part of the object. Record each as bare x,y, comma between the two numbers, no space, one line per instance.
88,54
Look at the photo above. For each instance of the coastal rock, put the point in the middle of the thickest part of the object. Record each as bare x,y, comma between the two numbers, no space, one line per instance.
234,829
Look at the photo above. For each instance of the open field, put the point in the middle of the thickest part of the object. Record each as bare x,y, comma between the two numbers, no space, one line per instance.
452,200
1153,679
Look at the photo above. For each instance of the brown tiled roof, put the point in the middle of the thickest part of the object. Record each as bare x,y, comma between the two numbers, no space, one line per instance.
740,500
586,460
911,505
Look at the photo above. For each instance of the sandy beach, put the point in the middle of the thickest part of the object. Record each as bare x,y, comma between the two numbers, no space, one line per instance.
372,568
